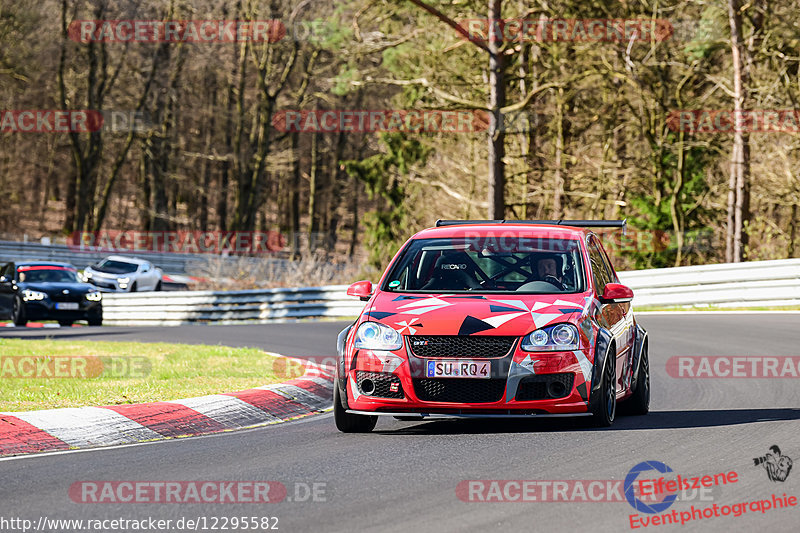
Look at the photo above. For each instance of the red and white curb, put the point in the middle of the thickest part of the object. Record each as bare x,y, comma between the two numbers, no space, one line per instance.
36,325
87,427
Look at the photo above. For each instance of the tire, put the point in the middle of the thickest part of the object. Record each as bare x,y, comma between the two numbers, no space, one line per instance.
158,285
133,287
639,402
65,323
604,407
95,320
348,422
18,312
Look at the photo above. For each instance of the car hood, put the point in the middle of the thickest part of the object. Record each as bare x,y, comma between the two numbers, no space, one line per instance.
466,314
52,288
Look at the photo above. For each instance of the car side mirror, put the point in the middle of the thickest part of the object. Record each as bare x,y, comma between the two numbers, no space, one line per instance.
361,289
616,293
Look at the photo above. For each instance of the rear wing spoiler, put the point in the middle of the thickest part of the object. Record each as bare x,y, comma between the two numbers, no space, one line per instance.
622,224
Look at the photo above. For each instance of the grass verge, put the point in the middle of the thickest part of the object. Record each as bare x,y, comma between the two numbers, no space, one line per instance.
45,374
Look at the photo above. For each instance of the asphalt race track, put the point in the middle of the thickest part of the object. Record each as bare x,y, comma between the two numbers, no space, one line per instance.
403,476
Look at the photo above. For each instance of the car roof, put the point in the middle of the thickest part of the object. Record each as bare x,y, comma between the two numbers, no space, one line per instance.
123,259
44,263
522,230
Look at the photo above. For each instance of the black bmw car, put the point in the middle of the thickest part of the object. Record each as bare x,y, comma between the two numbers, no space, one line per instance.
39,290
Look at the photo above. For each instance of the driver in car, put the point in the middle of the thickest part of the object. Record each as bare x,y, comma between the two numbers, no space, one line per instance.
547,267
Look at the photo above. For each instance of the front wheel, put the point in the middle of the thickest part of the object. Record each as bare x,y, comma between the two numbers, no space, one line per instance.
604,408
95,320
65,323
158,285
348,422
18,312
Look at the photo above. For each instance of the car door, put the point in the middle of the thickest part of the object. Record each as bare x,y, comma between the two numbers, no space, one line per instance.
148,275
6,289
611,315
626,338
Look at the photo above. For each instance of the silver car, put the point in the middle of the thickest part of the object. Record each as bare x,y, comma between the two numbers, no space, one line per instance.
126,274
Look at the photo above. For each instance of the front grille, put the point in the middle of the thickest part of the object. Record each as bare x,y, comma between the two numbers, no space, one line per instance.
536,387
383,384
460,390
480,346
71,297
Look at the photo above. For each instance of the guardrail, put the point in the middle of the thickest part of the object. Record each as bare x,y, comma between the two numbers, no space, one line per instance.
265,305
168,262
751,284
31,251
763,283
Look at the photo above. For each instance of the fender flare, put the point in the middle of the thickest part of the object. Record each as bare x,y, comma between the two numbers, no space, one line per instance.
639,345
601,349
341,375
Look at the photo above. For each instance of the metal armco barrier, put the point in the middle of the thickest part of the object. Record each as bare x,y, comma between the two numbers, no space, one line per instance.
763,283
29,251
170,309
752,284
168,262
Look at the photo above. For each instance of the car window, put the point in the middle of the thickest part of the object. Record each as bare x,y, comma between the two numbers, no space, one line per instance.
113,266
612,276
600,273
8,271
520,265
37,274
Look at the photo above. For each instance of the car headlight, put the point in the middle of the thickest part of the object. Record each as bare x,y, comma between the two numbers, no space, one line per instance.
94,296
552,339
374,336
86,275
29,295
123,280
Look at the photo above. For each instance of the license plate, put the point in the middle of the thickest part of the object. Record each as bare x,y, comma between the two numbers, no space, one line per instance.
69,306
458,369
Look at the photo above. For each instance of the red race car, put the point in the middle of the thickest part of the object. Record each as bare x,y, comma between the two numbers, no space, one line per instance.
494,319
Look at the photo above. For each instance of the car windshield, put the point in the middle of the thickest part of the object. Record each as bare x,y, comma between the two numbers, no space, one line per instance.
46,275
511,264
113,266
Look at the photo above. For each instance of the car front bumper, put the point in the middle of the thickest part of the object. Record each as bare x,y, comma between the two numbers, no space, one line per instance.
521,384
45,310
109,284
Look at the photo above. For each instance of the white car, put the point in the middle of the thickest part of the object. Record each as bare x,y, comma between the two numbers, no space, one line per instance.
126,274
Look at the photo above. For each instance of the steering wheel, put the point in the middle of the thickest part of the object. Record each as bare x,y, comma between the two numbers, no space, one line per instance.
552,280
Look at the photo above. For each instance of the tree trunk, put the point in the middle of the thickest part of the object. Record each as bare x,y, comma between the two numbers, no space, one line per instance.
313,216
497,100
294,196
558,158
740,157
